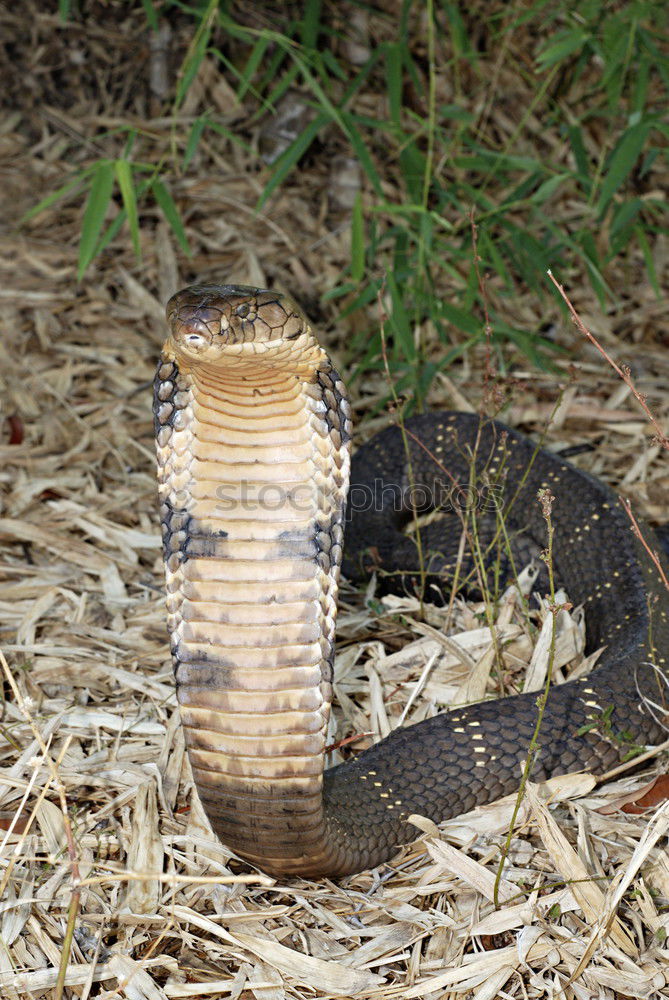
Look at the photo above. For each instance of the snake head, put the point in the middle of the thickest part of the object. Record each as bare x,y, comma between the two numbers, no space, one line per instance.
204,320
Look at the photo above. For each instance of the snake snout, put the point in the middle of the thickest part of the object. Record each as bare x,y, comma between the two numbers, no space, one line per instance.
195,332
228,324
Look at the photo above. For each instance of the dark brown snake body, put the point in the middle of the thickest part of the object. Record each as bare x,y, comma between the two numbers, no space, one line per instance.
253,433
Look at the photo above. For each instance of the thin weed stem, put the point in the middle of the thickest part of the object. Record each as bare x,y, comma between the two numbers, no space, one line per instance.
430,133
546,499
407,451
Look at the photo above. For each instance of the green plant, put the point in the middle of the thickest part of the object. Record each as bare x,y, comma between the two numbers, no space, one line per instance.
136,181
544,124
601,723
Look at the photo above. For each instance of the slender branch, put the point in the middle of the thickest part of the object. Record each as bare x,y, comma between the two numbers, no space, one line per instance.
623,371
660,437
627,507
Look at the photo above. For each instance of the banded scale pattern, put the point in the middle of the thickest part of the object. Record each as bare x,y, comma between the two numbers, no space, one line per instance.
252,430
253,467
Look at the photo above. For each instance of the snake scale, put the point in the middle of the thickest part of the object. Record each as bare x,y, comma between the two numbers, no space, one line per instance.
253,436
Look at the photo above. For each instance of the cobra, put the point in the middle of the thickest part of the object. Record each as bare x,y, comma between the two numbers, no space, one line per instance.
253,436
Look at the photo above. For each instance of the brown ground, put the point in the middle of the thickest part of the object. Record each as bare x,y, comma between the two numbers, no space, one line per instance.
94,787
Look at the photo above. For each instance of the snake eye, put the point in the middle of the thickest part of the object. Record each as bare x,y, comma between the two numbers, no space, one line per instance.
243,310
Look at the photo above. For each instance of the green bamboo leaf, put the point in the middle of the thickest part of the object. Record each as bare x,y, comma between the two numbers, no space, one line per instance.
565,44
589,256
531,345
94,214
622,161
111,232
368,360
368,293
399,320
252,64
461,320
150,14
453,16
489,250
361,151
310,23
357,82
291,157
126,184
193,141
171,213
116,224
196,51
393,54
229,134
580,154
648,257
189,69
549,187
455,113
357,241
623,218
55,196
281,82
129,145
331,66
412,164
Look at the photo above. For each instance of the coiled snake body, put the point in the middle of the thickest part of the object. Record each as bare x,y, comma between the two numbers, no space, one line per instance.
253,430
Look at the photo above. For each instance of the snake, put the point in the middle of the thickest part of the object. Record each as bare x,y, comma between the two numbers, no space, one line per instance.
257,490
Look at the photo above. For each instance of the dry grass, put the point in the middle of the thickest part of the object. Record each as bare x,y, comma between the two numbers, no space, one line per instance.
91,747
